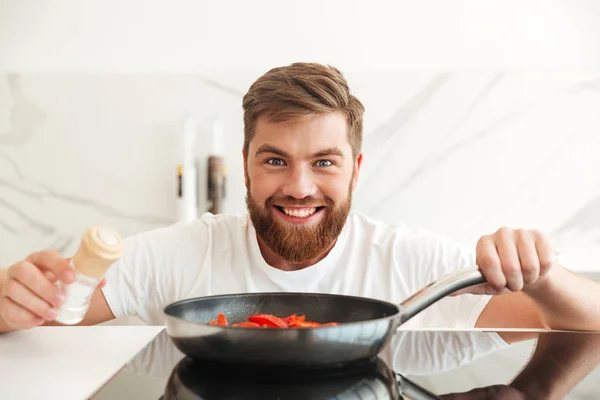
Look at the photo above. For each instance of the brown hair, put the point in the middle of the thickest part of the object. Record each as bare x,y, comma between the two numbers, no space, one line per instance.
300,90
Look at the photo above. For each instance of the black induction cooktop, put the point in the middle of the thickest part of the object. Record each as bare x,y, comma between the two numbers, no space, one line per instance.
418,364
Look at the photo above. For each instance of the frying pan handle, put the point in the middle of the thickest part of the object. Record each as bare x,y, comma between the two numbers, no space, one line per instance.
437,290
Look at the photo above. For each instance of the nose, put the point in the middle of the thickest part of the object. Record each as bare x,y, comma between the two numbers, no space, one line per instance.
300,183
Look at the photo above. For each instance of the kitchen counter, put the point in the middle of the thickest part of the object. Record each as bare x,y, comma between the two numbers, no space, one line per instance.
121,362
420,370
66,362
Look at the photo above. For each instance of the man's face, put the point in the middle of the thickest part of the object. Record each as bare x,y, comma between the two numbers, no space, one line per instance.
299,179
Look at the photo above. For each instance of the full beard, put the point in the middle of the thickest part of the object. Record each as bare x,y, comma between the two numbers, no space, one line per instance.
297,243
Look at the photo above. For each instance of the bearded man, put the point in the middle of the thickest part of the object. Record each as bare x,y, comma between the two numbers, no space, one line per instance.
302,157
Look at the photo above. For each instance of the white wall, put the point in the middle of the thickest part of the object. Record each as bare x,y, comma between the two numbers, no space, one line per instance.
477,117
229,35
462,153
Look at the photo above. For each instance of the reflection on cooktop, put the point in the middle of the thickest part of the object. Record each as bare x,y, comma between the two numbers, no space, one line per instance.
554,365
191,379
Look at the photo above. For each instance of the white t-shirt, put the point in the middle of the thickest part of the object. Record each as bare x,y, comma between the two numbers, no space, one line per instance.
219,254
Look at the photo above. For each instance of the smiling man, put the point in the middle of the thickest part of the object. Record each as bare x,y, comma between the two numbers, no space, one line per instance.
302,159
299,176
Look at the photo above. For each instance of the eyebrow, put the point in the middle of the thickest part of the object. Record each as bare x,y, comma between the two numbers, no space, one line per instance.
332,151
267,148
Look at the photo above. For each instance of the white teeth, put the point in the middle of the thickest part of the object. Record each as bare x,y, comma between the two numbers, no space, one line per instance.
300,212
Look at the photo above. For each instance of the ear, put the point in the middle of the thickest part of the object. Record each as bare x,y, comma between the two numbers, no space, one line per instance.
245,158
356,170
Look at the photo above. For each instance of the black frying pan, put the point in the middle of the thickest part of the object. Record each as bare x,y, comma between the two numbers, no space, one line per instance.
366,325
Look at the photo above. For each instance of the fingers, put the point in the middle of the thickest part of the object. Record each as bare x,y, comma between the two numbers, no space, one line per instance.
17,317
509,259
528,256
512,259
29,295
34,280
545,252
54,263
50,276
489,263
27,300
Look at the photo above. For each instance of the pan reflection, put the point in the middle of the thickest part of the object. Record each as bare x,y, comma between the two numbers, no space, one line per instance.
207,380
561,360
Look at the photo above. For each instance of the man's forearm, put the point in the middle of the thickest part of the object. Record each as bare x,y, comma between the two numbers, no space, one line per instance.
567,300
560,361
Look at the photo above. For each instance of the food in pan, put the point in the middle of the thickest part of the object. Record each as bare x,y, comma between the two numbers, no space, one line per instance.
271,321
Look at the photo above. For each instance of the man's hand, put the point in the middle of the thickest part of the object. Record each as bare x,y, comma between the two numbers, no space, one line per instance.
29,296
513,260
543,293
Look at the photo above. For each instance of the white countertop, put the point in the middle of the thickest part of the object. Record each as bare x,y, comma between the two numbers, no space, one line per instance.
66,362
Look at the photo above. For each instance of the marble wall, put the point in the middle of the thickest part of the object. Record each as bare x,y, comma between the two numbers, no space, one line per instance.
458,152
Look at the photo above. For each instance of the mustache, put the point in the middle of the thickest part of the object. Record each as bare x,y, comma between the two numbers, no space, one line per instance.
308,201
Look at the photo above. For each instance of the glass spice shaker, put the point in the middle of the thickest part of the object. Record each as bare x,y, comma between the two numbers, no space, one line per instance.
100,247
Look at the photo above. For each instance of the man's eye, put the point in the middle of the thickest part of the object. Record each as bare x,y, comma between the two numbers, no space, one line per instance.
275,161
324,163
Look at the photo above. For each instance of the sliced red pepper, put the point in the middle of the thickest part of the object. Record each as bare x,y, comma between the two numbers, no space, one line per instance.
306,324
291,320
222,320
247,325
269,320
